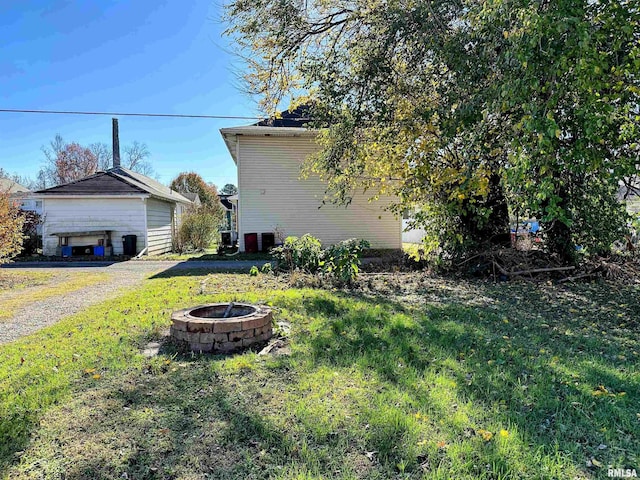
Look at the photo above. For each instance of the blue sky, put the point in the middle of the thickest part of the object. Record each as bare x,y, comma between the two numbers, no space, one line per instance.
119,55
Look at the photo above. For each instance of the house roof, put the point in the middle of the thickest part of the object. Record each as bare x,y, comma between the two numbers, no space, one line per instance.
115,181
225,200
9,186
193,196
299,117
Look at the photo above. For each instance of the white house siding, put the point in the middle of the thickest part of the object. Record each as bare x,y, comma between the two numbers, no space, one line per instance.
272,195
123,216
159,226
412,235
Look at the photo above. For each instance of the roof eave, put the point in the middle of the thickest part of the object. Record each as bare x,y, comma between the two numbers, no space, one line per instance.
230,134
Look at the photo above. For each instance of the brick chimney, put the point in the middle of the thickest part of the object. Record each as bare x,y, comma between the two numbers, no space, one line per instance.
116,143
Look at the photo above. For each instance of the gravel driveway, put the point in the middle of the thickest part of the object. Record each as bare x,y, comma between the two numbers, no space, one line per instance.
122,276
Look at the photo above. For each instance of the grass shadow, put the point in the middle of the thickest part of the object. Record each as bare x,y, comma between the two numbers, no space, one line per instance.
531,373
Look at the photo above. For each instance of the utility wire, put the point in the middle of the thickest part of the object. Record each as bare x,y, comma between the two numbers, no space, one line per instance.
122,114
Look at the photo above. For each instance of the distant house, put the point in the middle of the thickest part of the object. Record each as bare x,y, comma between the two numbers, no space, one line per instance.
229,228
193,197
21,194
23,197
273,199
101,209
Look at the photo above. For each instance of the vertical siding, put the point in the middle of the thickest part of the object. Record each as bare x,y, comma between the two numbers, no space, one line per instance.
159,226
272,195
123,216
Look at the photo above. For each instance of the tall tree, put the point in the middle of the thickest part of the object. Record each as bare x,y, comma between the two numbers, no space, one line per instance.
229,189
103,154
460,106
73,162
70,161
191,182
136,156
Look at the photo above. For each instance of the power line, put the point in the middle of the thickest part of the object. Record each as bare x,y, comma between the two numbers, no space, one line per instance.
125,114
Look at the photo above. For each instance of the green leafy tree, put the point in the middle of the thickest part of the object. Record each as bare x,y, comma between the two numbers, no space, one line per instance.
200,225
191,182
462,108
229,189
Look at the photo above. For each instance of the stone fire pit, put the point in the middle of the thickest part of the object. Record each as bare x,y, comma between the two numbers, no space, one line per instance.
222,327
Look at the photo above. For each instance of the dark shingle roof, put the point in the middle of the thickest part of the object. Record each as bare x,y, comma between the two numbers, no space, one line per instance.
115,181
298,117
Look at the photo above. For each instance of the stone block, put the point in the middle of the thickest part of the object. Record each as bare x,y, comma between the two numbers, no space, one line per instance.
180,335
199,326
206,338
235,336
179,324
221,337
253,322
226,326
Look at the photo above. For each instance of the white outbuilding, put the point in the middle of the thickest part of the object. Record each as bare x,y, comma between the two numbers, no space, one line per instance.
117,212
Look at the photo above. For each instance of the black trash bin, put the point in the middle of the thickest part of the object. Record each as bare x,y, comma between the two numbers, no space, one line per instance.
268,241
129,245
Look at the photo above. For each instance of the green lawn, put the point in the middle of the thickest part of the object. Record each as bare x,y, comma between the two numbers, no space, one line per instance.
405,377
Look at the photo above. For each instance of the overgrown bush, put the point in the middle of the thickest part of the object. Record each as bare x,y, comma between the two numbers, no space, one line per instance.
305,254
197,231
342,260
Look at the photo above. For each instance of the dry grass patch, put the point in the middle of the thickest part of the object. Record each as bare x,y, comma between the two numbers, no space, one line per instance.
11,280
37,286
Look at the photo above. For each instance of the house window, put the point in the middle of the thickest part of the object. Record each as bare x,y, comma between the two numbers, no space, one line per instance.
101,242
38,203
63,241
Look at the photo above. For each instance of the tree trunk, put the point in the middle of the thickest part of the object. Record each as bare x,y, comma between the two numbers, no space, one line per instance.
559,243
495,230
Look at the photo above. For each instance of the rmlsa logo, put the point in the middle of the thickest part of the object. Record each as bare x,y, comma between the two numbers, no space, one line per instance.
622,473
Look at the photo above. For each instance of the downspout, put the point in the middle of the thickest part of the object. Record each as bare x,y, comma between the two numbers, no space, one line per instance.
238,216
44,223
146,228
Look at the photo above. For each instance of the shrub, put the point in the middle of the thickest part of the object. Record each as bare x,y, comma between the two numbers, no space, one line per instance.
342,260
304,253
254,271
266,268
197,231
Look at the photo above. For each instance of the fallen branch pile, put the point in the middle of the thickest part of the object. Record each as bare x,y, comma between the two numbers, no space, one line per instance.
508,263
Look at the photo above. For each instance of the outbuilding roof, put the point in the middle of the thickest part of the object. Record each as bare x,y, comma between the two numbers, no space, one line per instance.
115,181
